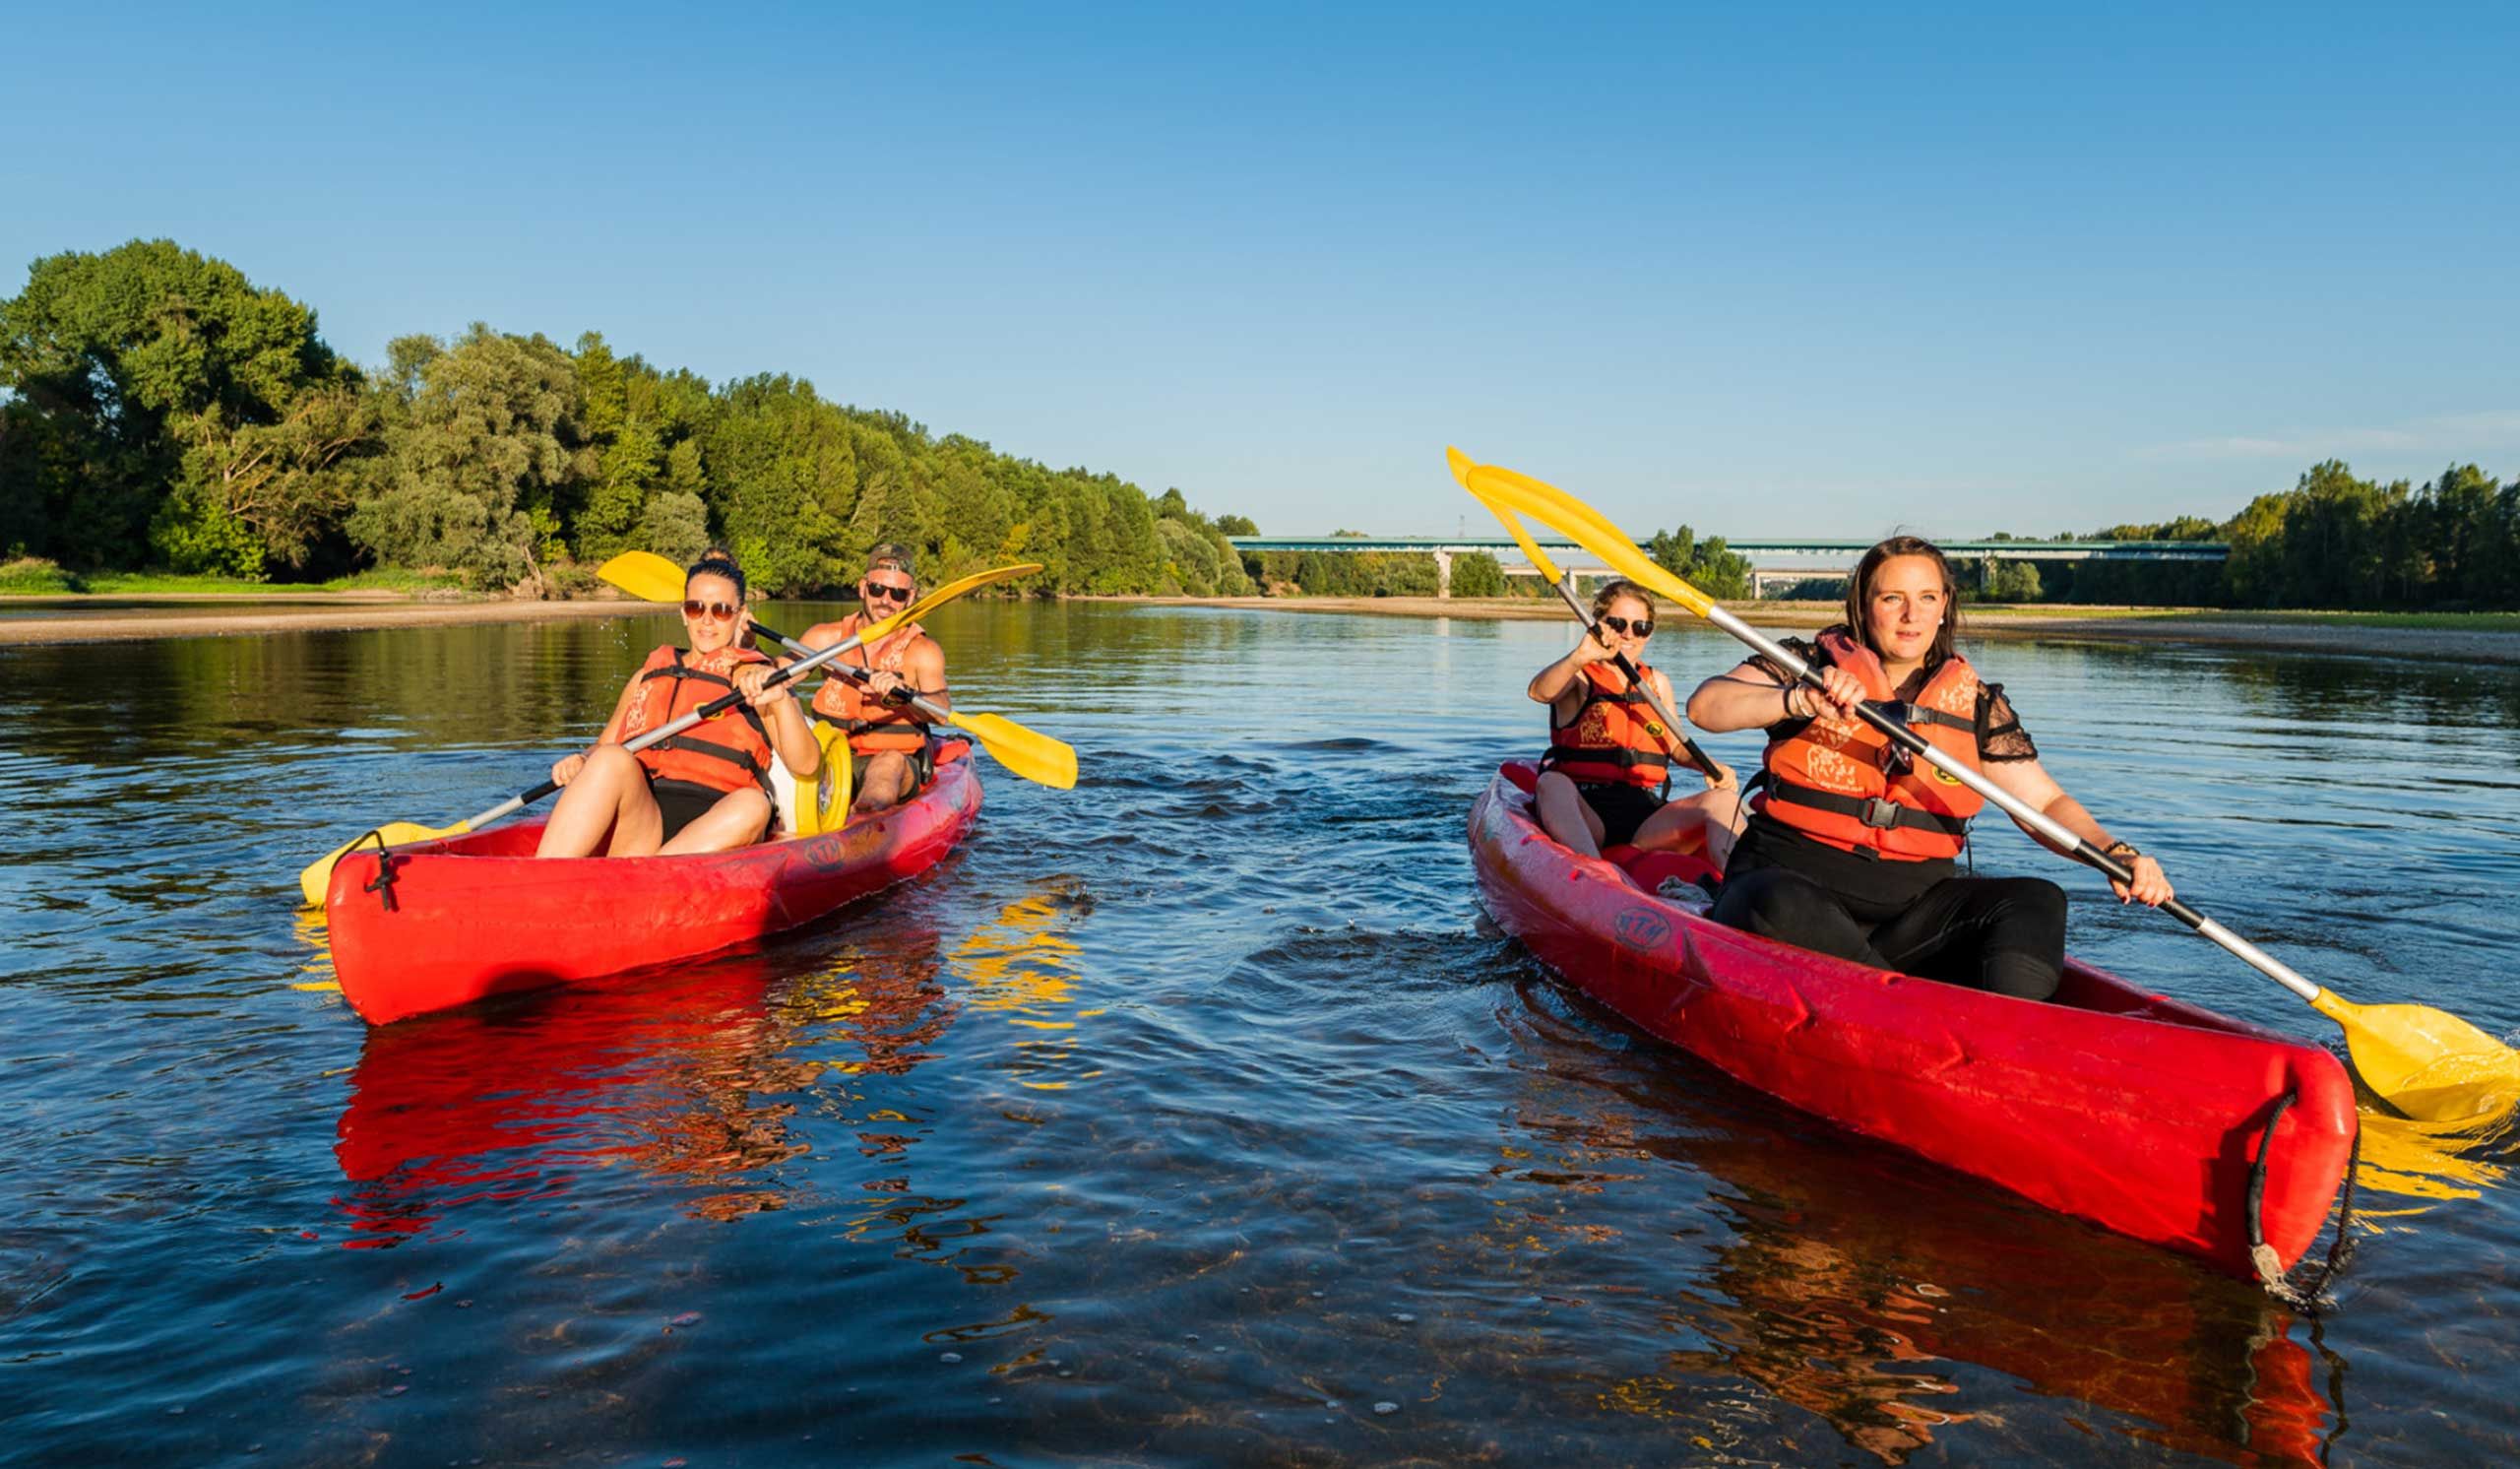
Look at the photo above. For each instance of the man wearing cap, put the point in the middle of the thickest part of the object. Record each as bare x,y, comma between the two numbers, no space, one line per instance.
887,738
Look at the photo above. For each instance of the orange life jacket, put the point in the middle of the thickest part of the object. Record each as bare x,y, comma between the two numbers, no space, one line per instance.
1615,737
725,752
1846,784
873,726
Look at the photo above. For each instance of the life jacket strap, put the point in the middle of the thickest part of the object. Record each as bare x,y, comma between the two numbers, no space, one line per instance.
1878,812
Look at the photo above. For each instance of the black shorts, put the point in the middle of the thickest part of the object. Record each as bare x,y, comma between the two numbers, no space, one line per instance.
682,803
1623,810
923,767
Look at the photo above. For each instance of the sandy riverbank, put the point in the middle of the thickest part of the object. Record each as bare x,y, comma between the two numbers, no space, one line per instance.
2063,623
141,615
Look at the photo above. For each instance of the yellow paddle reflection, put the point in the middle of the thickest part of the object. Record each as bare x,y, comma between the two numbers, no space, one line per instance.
2427,1161
1024,966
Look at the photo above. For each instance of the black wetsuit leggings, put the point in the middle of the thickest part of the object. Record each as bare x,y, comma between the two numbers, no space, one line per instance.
2006,934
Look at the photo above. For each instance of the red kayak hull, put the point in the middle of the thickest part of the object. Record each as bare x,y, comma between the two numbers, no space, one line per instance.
2137,1112
478,915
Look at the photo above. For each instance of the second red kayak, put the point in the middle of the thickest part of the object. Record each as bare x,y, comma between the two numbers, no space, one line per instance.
478,915
2137,1112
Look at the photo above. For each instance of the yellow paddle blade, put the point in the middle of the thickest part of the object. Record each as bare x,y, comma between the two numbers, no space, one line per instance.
945,594
2428,1064
644,575
1035,756
1560,511
318,875
1461,469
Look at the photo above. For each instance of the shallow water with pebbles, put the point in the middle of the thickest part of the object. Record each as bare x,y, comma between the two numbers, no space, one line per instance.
1192,1117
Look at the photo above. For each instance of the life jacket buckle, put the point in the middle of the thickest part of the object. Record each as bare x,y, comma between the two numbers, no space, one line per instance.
1880,814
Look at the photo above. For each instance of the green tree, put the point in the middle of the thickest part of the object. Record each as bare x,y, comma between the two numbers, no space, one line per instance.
1236,525
1477,574
482,461
1708,565
784,482
131,357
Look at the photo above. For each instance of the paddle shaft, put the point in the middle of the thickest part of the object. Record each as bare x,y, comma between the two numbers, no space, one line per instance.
2053,831
855,675
1565,585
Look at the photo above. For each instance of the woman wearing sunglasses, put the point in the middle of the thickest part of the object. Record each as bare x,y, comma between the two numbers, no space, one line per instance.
888,751
1607,779
1851,847
708,788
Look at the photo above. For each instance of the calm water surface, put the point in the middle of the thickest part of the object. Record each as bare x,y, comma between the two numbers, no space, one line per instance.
1190,1117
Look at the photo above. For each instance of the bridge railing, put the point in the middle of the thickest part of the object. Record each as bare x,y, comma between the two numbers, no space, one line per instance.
1772,562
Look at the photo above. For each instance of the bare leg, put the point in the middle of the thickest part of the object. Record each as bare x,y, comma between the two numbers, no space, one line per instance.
736,821
1710,820
886,782
1567,815
609,797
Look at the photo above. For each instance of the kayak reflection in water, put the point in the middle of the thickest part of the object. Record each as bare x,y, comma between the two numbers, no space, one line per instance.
888,750
1607,779
1850,847
708,788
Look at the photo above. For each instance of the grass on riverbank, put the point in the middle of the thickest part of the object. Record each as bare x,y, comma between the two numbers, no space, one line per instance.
32,576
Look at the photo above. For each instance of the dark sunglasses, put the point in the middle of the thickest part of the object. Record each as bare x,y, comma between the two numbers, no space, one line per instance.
875,590
1643,628
717,610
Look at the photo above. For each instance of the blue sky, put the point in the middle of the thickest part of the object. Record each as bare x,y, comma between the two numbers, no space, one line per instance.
1957,268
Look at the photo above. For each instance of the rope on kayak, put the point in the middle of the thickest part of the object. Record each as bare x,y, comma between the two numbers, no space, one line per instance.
2306,1290
382,884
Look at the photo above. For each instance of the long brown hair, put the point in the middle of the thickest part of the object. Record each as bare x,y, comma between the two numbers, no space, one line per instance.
1860,593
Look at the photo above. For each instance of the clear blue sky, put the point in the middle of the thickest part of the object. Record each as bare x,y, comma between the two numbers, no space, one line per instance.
1958,269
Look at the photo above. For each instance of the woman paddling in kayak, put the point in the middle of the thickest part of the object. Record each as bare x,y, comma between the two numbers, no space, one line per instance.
708,788
1850,847
1605,780
887,738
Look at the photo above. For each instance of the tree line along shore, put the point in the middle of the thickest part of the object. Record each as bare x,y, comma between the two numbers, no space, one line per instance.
171,427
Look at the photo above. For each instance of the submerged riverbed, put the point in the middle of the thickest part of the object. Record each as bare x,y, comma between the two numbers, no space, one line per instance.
1190,1117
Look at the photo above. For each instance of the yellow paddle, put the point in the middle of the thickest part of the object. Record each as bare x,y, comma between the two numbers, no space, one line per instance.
318,874
2423,1062
1565,586
1035,756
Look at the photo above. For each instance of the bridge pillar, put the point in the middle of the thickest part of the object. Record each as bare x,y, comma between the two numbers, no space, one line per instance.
1443,573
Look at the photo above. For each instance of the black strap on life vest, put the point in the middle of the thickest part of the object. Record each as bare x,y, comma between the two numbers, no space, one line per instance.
1876,811
741,760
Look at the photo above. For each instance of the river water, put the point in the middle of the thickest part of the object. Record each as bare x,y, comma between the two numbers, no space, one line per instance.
1190,1117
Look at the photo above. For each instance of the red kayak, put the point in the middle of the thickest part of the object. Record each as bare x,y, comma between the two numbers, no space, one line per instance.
2134,1111
478,915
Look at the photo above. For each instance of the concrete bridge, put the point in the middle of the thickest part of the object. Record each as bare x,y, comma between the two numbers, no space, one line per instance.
1772,562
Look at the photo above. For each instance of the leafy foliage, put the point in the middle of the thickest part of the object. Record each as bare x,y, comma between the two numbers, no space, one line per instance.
168,412
1707,565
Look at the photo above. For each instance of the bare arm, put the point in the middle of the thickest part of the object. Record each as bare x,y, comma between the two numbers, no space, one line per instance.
789,735
1560,684
925,666
2028,782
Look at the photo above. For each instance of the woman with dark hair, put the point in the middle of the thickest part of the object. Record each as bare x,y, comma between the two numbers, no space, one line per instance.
708,788
1850,848
1607,779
